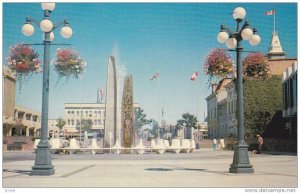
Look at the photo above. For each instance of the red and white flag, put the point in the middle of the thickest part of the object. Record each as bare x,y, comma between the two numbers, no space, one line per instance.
271,12
155,76
194,76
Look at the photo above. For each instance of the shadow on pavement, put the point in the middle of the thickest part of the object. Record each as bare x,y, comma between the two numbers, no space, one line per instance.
18,171
178,168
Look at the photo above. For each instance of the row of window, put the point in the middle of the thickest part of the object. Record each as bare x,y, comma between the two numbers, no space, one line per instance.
86,113
28,116
96,122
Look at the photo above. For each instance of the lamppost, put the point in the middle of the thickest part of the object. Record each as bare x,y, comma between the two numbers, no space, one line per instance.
42,164
241,163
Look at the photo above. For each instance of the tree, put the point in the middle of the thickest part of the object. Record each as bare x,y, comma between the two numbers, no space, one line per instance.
154,127
140,118
262,99
60,123
188,120
86,124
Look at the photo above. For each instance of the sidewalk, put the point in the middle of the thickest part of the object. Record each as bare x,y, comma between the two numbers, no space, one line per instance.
203,168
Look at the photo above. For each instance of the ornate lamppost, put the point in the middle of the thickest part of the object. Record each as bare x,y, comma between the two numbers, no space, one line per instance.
241,163
42,164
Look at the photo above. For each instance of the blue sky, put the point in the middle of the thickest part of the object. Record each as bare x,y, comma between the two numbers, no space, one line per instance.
145,37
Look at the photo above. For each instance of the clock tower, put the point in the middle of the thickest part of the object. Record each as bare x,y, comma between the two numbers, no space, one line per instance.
275,49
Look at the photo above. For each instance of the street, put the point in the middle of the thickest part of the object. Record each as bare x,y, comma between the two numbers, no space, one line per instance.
203,168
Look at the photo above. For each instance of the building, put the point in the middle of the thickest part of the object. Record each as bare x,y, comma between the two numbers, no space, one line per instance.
276,56
74,112
52,128
217,110
231,109
289,87
17,120
222,105
275,49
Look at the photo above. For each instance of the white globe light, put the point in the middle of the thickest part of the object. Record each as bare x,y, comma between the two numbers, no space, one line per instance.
222,37
231,43
48,6
239,13
66,32
27,29
254,40
46,25
51,36
247,33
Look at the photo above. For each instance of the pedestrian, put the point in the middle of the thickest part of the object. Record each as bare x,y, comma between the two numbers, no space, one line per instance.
260,142
222,144
214,144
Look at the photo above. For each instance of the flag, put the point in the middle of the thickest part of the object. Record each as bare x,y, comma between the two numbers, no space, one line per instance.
155,76
194,76
271,12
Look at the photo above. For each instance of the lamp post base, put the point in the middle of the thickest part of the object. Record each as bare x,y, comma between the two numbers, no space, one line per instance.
42,165
241,163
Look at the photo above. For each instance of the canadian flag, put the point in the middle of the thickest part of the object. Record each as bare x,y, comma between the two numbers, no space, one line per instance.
271,12
194,76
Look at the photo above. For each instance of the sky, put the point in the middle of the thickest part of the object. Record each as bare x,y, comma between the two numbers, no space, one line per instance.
170,38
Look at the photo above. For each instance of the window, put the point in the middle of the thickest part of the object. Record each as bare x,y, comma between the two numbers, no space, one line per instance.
28,116
72,122
291,93
86,113
77,113
95,113
295,89
20,115
285,96
99,122
68,121
95,122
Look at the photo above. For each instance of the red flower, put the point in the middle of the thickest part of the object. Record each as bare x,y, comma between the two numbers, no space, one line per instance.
26,50
22,67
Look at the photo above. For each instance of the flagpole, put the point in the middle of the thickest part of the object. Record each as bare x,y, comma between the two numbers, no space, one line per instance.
274,20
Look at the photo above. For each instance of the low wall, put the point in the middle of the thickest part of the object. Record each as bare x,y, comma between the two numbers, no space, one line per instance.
22,143
282,145
270,144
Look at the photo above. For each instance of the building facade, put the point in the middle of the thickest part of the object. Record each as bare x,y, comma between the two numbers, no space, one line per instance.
74,112
217,110
289,87
53,130
17,120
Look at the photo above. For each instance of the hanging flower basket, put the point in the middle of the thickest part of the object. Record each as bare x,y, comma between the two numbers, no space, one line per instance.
256,65
23,60
68,63
218,63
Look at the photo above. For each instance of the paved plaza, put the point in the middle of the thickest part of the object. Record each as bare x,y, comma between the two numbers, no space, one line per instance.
203,168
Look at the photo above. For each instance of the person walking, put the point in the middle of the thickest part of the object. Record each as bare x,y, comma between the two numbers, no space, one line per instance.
222,144
260,142
214,144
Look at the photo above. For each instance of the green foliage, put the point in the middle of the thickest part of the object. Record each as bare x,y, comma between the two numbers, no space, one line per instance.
60,123
262,98
154,127
86,124
140,118
188,119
